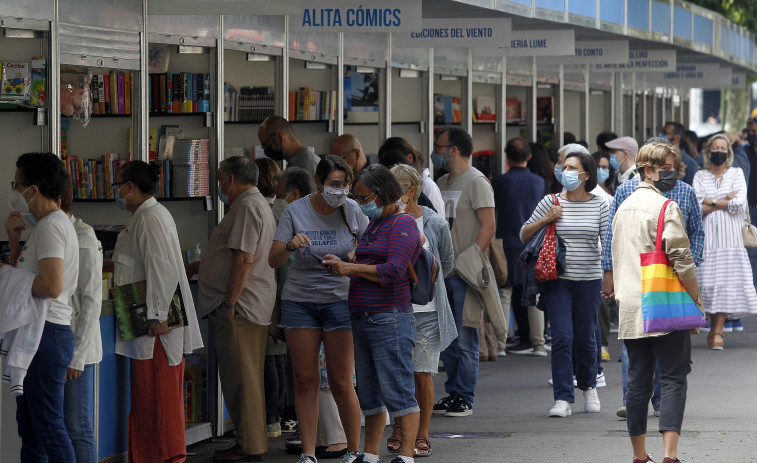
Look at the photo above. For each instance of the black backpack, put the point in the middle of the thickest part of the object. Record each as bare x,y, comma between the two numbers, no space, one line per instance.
423,277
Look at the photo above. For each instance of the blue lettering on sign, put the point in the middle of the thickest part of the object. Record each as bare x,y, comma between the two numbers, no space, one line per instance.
529,43
353,17
638,54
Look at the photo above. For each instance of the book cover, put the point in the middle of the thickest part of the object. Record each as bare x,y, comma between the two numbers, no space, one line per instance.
153,143
127,92
120,97
16,79
486,108
39,82
95,94
169,92
193,394
205,101
195,92
155,93
175,92
183,93
101,93
512,106
130,305
113,93
544,109
65,124
163,95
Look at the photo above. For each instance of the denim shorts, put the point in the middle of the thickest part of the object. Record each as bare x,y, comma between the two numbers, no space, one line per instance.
384,345
427,343
334,316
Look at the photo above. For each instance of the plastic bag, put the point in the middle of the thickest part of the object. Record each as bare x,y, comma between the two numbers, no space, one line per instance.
75,94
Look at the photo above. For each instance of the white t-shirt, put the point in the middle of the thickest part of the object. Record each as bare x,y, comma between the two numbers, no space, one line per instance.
54,236
431,306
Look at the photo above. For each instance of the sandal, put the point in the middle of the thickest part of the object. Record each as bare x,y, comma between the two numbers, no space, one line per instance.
718,342
422,447
394,442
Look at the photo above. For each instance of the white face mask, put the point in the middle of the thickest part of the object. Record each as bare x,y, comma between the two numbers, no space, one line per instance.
18,203
335,197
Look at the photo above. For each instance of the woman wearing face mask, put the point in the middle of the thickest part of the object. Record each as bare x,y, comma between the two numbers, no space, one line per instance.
635,231
605,172
435,326
52,252
148,250
314,299
381,311
572,301
725,275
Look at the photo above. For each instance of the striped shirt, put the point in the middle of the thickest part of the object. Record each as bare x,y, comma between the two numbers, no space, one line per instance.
581,227
391,244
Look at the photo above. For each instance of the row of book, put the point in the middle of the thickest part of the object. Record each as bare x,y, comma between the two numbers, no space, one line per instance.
191,173
307,104
248,104
111,93
179,92
92,178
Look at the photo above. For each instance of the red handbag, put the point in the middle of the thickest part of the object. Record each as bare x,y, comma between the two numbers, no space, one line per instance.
546,263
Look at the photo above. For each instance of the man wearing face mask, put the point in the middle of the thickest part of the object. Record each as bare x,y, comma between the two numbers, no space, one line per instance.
623,157
349,148
237,293
672,187
751,152
675,132
469,208
280,143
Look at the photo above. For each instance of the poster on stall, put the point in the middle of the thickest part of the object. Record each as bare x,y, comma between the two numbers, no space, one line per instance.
362,89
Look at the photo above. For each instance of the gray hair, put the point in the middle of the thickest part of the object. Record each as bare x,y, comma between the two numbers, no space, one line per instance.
380,181
242,168
573,148
408,178
296,178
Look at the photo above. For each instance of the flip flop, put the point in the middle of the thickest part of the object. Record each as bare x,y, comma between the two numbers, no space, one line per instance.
394,442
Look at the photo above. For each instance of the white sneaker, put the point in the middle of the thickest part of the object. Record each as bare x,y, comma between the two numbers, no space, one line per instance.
560,410
601,380
591,400
539,351
501,353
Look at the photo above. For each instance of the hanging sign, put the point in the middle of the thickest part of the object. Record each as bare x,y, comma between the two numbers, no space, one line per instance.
591,52
456,33
643,61
352,16
216,7
694,75
534,43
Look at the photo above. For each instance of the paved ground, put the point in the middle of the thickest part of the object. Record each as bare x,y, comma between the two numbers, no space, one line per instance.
510,422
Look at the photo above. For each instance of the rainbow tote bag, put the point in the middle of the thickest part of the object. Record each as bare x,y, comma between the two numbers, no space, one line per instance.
665,304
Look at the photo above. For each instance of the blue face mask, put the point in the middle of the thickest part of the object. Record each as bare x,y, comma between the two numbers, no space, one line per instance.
602,174
558,172
570,180
221,195
440,160
121,202
614,163
371,210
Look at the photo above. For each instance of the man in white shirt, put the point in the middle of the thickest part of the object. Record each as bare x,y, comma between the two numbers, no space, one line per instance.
623,157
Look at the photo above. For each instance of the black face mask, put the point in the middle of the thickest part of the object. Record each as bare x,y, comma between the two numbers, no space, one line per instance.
273,154
752,139
667,181
718,158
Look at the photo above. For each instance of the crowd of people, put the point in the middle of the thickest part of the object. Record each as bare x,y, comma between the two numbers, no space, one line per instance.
307,284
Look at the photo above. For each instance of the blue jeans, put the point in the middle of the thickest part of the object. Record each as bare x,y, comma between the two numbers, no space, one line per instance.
39,411
657,392
384,343
461,357
573,307
78,408
331,316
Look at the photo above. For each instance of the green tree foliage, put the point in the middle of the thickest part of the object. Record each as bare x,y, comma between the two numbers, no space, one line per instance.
741,12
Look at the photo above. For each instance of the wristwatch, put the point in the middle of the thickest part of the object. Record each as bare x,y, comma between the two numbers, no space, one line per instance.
226,305
712,204
286,246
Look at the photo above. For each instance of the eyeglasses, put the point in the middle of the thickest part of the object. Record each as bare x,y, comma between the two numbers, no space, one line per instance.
365,199
15,184
114,187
